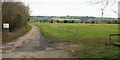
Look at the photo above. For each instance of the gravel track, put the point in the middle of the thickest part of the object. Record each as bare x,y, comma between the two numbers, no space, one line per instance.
32,45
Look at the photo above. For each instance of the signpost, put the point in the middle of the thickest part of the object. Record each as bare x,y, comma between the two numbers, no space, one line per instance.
6,25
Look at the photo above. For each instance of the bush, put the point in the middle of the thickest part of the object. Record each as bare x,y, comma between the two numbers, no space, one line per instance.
65,21
16,14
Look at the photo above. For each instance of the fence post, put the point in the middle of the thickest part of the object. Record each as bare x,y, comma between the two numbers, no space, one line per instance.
110,38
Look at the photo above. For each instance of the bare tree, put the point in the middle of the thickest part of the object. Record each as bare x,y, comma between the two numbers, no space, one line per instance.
104,4
16,14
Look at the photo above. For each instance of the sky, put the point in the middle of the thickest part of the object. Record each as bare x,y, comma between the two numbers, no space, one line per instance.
68,7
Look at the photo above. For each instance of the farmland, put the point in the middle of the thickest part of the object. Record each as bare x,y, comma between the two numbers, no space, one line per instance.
64,19
74,19
60,29
39,19
92,37
58,18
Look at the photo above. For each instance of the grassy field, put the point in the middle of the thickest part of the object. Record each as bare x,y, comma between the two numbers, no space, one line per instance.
92,37
16,34
38,19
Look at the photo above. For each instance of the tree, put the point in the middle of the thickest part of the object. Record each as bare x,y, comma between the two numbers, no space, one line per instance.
16,14
65,21
104,4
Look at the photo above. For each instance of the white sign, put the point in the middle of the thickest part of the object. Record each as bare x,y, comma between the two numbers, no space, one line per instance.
5,25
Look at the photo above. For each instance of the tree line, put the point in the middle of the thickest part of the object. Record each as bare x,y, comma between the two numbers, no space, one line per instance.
81,20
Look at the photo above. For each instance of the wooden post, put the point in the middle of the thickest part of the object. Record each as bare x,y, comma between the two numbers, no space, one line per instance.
1,20
110,38
1,29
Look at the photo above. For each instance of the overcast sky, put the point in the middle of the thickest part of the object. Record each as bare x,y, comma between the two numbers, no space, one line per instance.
68,7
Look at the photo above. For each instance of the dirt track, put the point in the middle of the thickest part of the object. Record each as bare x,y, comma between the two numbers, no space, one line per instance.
33,45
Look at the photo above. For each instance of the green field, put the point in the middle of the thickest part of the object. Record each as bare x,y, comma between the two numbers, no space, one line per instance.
92,37
39,19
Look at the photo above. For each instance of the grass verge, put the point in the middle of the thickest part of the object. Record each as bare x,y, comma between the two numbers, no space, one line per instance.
17,34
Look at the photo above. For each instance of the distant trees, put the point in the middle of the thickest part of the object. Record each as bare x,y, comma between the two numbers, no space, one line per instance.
65,21
16,14
80,20
58,21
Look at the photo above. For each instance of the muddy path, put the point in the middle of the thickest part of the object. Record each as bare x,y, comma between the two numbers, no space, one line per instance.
33,45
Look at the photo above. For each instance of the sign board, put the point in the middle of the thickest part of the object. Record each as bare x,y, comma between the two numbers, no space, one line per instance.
5,25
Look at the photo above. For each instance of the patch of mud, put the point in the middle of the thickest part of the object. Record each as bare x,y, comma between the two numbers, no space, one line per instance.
69,46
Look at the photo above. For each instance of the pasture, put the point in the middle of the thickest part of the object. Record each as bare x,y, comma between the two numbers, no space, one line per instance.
92,38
